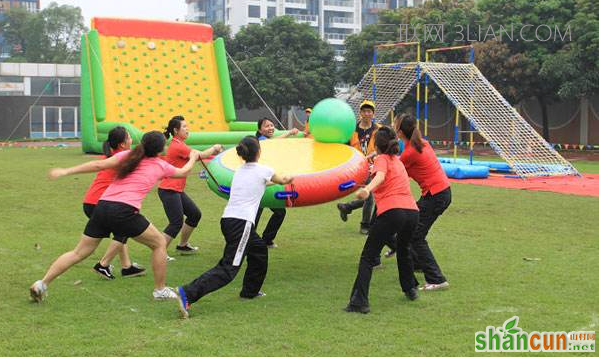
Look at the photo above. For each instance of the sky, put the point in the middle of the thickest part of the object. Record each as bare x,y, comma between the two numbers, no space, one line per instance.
142,9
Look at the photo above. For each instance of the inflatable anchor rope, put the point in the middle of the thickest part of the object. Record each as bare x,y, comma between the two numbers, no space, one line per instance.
211,176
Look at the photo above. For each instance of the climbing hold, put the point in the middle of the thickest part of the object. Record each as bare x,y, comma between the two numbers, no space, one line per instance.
121,44
151,45
194,48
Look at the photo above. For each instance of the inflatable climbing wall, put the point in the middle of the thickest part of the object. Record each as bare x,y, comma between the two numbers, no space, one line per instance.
139,74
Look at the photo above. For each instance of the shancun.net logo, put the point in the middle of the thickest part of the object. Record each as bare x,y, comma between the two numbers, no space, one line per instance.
511,338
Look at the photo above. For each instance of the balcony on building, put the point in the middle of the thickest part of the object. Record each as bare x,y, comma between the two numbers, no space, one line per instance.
336,38
295,4
342,22
312,20
339,5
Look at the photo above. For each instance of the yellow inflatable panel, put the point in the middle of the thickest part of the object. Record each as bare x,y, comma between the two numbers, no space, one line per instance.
148,81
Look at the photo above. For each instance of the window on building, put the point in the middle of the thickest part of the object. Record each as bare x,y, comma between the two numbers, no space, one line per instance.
271,11
254,11
44,86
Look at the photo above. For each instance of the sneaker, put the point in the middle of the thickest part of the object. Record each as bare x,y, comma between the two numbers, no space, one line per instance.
258,295
412,294
133,270
170,259
378,266
344,212
359,309
431,287
38,291
389,253
182,303
364,230
272,245
186,249
165,293
104,272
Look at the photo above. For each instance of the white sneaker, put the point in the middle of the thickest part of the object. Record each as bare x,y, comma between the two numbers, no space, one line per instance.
165,293
38,291
431,287
272,246
170,259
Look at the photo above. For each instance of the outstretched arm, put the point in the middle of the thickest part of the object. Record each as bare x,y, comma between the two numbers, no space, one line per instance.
282,180
363,193
91,166
213,150
287,133
187,168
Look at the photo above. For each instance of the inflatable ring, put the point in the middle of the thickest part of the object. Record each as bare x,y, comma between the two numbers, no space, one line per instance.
322,172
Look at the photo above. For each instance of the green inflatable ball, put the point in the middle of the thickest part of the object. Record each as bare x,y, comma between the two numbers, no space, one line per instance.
332,121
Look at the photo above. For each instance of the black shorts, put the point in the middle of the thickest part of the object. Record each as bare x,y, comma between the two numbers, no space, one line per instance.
88,209
120,219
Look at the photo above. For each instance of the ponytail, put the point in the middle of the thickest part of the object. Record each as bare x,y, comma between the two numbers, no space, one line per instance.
151,145
407,124
116,137
248,148
174,123
386,141
131,162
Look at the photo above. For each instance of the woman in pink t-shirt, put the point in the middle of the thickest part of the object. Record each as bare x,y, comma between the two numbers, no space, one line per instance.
397,213
117,212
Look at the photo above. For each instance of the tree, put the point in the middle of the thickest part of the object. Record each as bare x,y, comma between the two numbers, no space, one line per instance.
63,27
50,36
505,70
408,25
222,30
538,84
287,63
575,66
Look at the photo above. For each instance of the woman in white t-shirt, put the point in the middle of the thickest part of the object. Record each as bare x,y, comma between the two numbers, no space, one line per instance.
237,226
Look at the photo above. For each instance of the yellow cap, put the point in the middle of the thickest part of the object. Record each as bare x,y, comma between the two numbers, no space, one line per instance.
367,103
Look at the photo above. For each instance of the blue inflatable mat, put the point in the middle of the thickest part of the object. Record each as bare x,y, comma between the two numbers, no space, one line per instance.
495,165
465,171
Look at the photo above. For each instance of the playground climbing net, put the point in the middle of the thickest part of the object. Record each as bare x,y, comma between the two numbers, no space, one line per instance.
511,137
386,84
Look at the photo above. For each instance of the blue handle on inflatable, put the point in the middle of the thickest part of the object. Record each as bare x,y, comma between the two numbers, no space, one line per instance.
346,185
226,190
284,195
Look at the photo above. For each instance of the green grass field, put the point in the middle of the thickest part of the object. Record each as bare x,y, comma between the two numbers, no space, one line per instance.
480,243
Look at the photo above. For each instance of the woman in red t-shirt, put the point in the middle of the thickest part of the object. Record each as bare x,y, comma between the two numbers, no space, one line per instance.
424,167
176,202
397,213
118,140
